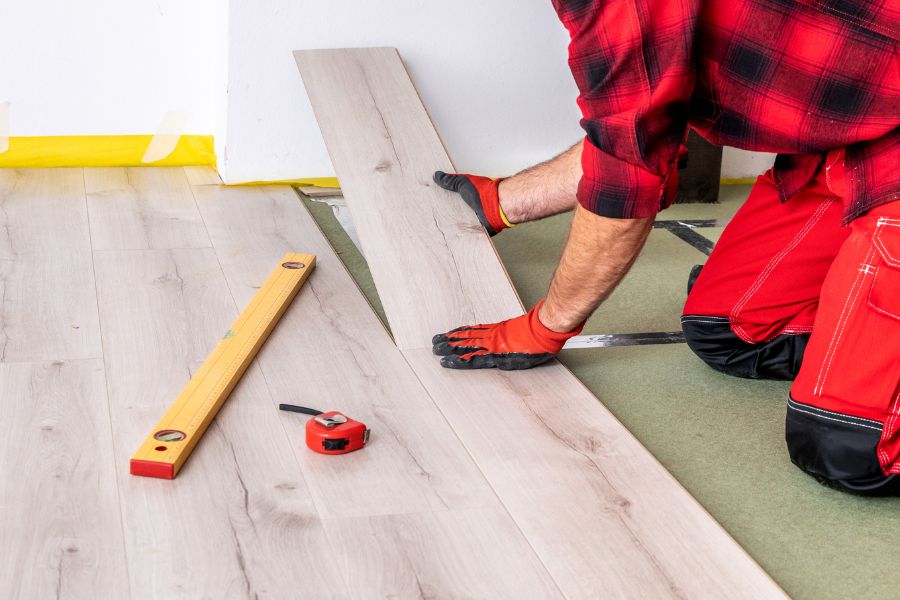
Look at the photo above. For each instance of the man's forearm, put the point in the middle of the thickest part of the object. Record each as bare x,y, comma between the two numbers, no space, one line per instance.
543,190
598,254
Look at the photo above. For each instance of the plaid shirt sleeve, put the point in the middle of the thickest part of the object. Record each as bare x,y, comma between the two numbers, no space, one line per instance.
631,60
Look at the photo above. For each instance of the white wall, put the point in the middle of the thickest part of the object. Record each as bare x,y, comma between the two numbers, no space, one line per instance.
740,164
108,67
492,74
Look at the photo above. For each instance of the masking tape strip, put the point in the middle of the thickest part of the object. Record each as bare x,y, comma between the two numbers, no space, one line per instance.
173,126
102,151
4,126
321,182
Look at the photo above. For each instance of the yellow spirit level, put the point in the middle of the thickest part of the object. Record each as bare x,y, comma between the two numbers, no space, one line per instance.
165,450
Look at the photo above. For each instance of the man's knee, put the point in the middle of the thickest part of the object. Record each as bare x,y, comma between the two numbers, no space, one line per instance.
712,339
838,450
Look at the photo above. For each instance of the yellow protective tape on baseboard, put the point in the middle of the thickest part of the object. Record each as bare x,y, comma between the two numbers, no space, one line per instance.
328,182
737,181
103,151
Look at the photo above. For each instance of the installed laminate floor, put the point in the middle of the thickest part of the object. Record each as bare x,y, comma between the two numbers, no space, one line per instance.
97,337
115,284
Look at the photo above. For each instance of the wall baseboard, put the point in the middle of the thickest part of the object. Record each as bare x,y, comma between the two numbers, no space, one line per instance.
128,151
103,151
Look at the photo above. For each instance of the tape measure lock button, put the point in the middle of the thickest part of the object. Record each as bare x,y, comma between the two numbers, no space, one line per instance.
332,421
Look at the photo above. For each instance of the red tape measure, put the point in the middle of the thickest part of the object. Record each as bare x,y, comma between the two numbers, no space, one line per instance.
331,432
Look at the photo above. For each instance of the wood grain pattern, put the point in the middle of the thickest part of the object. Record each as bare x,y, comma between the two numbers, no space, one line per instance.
141,208
603,515
443,554
392,155
411,511
59,508
200,175
48,307
622,525
42,213
330,351
239,521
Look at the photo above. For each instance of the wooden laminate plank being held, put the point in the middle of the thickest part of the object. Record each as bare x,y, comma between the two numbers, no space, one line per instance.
602,514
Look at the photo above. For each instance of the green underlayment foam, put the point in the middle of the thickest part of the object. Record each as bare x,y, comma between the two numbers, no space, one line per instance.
722,438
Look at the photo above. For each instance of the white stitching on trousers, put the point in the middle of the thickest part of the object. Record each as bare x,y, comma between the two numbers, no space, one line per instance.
889,430
764,275
794,403
846,311
888,257
702,321
878,429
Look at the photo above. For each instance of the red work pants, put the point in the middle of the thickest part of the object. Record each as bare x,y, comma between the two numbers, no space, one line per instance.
788,293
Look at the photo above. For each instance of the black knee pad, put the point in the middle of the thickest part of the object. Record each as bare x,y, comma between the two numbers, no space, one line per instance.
840,451
713,341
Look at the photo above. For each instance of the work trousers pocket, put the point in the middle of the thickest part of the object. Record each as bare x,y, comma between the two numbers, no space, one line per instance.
852,363
884,295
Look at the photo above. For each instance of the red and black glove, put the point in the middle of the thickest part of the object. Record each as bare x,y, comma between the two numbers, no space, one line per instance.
519,343
482,196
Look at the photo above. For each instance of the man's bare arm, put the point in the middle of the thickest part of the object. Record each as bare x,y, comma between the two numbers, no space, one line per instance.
598,254
543,190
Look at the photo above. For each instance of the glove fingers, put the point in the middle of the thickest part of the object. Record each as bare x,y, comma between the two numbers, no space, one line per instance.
445,337
462,185
475,361
448,181
513,361
446,349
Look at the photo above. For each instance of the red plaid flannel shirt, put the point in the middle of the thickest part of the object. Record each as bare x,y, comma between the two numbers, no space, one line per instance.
796,77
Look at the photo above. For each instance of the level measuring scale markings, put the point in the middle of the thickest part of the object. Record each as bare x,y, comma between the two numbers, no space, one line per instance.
166,449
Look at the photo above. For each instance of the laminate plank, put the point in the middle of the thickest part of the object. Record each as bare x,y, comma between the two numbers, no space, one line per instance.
444,554
48,307
601,512
392,155
42,212
622,525
239,522
142,208
320,192
59,508
411,509
202,175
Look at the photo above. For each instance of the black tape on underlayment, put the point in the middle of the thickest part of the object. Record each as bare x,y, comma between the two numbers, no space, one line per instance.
685,231
625,339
